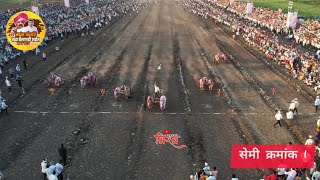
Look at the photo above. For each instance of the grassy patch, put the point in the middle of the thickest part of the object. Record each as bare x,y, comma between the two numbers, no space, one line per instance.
306,8
14,1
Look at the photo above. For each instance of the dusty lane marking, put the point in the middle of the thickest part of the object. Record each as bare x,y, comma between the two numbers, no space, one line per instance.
126,112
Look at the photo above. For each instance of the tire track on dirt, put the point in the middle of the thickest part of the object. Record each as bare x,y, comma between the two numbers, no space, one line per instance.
295,127
76,141
39,81
195,141
299,135
300,88
259,135
136,144
166,78
23,142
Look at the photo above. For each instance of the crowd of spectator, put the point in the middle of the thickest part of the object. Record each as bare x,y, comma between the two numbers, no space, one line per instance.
307,32
258,31
61,21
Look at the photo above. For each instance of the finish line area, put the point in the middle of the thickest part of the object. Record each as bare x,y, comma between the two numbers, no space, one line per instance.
114,112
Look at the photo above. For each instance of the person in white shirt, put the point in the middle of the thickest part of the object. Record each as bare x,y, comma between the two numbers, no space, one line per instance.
4,107
49,171
278,117
234,177
317,103
309,141
8,83
59,169
206,168
292,106
281,172
289,115
211,176
53,176
316,175
215,172
296,104
291,174
43,168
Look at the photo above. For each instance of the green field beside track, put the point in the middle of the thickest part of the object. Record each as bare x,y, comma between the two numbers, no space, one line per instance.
305,8
9,4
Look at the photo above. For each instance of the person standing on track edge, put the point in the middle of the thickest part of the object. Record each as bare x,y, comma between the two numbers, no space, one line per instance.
278,117
317,103
296,102
63,154
44,56
8,83
24,62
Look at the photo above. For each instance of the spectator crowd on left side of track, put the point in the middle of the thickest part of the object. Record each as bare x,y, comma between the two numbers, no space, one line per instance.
60,22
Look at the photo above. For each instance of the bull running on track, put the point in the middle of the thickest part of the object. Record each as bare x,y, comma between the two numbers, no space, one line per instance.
54,80
90,79
124,91
158,98
220,57
206,82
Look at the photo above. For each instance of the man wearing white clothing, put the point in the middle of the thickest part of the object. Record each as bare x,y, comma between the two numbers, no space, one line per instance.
296,104
316,175
309,141
59,169
206,168
291,174
8,83
292,106
43,168
234,177
317,103
211,177
281,172
4,106
53,176
278,118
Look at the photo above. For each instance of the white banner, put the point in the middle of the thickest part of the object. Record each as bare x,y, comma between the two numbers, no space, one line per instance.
66,3
231,1
292,19
35,9
249,8
87,1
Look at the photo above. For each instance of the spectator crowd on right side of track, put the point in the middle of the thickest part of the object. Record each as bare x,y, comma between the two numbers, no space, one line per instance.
297,50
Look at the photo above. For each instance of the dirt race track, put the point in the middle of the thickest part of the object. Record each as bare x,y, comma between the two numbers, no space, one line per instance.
112,139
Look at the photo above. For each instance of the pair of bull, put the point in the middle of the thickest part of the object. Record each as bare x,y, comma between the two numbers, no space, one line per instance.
55,80
206,82
220,57
90,79
159,98
162,102
122,91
